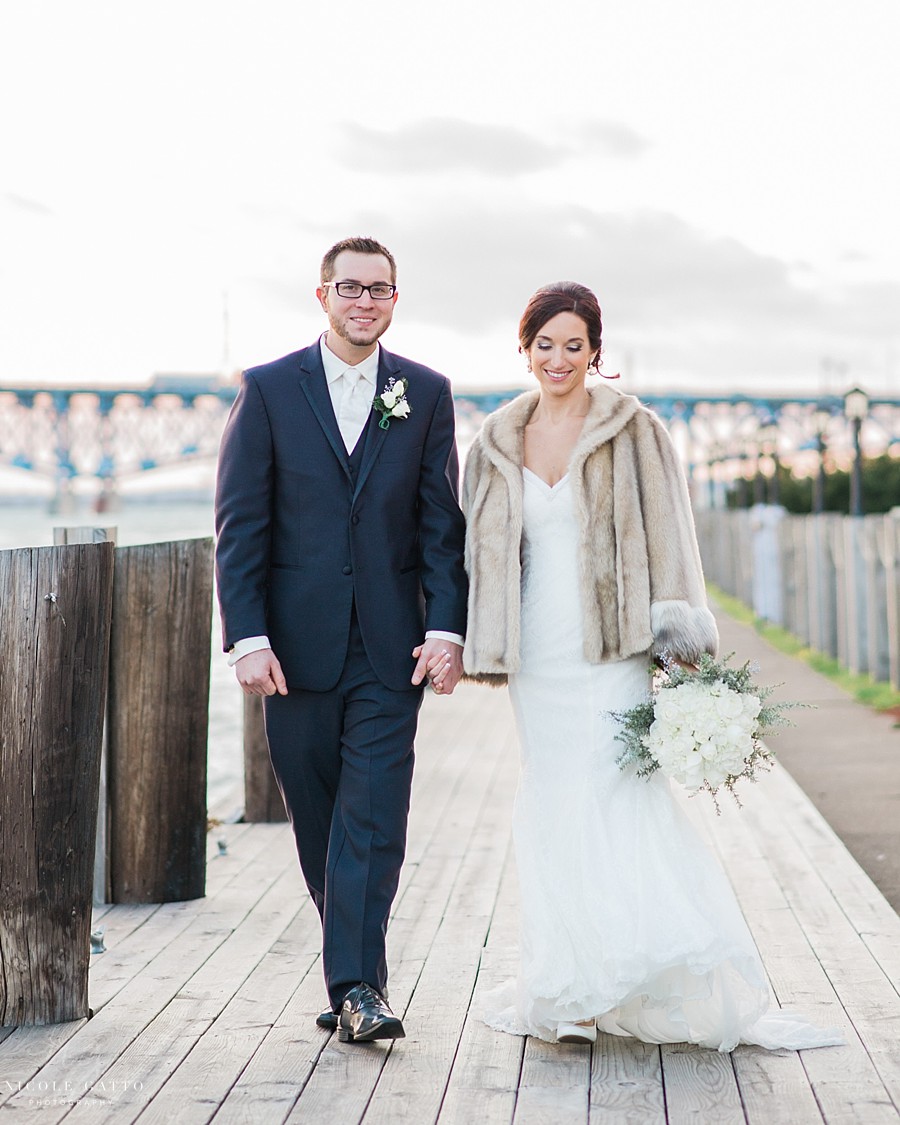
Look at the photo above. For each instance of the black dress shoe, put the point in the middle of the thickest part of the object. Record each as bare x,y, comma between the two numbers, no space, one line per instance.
327,1019
365,1016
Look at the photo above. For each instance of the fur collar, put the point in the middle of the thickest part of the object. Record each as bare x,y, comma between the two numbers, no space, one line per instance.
503,434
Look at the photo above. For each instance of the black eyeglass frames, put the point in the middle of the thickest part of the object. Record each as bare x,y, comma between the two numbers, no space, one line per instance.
378,292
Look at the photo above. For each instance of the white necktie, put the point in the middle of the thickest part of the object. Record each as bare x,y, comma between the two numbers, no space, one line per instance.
356,402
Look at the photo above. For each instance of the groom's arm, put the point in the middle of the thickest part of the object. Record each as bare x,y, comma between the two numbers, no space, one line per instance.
441,539
244,490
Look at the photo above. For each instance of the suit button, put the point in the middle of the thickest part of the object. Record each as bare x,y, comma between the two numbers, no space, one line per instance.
347,570
354,520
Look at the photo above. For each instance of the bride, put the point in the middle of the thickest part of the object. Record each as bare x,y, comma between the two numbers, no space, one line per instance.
583,562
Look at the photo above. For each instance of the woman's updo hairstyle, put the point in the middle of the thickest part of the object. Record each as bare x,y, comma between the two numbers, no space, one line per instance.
563,296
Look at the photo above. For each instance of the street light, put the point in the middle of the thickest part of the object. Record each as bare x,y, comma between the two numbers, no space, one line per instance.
856,407
821,418
769,444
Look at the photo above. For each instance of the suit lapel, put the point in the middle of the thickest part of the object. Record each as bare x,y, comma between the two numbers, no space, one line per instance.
315,387
375,439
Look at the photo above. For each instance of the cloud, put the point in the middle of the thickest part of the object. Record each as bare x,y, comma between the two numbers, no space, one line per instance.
679,303
613,138
21,203
442,144
479,267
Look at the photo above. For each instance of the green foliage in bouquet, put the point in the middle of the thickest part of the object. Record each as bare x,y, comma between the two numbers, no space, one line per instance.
702,727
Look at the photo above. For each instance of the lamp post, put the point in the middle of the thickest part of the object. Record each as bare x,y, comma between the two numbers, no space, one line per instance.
820,420
769,435
856,407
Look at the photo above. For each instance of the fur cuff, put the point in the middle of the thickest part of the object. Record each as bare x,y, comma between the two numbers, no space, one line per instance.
685,631
492,679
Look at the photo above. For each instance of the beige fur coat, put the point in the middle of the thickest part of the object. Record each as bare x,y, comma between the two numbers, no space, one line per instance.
641,579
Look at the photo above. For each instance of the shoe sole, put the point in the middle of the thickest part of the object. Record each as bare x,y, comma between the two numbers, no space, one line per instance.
583,1040
386,1030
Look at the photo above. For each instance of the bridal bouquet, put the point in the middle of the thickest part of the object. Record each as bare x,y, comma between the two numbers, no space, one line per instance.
702,728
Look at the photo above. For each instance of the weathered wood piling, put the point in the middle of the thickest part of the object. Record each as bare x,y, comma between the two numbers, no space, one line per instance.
55,607
263,803
158,720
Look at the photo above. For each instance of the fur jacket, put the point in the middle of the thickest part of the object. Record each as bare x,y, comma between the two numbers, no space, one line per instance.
641,580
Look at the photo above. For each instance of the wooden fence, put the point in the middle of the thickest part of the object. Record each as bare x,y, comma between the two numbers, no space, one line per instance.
831,580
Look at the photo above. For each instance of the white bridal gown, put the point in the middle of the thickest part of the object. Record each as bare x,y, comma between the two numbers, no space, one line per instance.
625,914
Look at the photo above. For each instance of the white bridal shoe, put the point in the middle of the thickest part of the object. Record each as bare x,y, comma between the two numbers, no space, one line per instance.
585,1032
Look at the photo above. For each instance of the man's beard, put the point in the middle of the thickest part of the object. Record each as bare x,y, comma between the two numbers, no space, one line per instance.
356,336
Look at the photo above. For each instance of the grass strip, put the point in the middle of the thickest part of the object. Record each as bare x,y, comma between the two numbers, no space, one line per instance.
873,693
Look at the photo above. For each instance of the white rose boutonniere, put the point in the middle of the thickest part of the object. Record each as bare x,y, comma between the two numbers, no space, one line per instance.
392,403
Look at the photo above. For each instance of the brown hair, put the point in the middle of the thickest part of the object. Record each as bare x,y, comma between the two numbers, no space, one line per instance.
357,246
563,296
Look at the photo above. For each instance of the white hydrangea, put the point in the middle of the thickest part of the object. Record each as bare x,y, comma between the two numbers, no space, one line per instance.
702,732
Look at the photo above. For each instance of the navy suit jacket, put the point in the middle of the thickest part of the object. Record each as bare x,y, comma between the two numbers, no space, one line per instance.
298,542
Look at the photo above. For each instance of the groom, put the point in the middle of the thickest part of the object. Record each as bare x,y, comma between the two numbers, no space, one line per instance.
340,575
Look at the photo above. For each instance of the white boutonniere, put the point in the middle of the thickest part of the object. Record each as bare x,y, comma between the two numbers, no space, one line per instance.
391,403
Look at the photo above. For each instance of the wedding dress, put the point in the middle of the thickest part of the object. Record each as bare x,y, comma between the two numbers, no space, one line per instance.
626,916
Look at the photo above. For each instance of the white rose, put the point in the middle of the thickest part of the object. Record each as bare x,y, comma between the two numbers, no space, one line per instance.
390,397
400,410
751,704
728,704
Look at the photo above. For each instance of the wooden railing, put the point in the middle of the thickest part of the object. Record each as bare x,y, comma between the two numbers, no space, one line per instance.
831,580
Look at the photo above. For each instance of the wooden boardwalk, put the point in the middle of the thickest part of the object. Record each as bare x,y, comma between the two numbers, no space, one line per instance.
204,1010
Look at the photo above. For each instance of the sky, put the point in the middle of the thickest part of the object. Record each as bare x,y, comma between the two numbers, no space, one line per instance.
724,175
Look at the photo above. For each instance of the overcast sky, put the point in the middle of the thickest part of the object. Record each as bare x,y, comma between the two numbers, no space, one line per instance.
725,175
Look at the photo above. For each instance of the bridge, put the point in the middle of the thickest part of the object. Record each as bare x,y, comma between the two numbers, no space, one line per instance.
111,434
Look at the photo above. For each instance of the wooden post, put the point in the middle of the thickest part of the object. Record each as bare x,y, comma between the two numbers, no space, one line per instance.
263,803
158,721
62,536
891,543
54,643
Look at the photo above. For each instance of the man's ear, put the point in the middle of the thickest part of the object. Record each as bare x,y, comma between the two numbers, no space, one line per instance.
322,294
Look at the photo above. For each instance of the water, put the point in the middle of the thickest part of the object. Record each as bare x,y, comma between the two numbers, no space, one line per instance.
31,525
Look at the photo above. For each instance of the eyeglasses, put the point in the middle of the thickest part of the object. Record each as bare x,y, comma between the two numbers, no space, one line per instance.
378,292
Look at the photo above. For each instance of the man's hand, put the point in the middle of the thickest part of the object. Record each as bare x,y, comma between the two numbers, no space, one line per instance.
441,662
259,673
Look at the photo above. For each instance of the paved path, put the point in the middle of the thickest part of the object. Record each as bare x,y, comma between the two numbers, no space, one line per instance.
845,756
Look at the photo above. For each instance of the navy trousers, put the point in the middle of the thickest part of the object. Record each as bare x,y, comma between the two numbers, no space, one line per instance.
343,760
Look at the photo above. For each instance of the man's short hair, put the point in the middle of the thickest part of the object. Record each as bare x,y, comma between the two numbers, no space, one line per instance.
358,246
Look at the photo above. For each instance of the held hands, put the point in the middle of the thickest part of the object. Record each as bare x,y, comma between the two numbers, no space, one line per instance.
440,662
259,673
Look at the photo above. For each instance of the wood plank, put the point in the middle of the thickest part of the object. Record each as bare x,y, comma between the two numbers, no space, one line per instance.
85,1058
414,1078
868,911
209,1065
350,1072
774,1087
793,966
626,1082
483,1084
700,1085
867,993
281,1065
555,1084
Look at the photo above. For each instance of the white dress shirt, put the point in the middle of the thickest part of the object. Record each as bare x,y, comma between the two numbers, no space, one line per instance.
352,390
